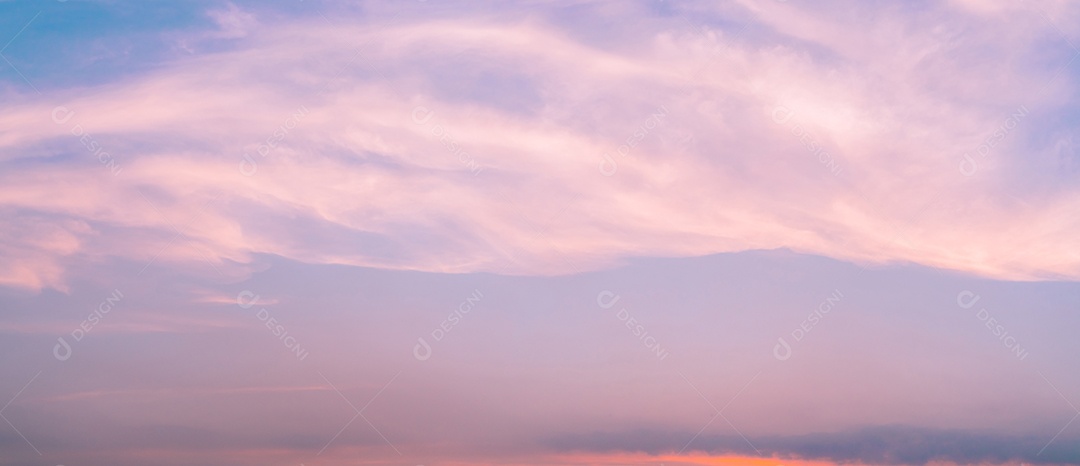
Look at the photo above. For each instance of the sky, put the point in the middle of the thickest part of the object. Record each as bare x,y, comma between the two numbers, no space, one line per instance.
651,232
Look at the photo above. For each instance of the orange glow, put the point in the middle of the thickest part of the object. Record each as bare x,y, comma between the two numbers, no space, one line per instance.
688,460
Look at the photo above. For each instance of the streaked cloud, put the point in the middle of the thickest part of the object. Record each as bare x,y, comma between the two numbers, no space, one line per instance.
407,144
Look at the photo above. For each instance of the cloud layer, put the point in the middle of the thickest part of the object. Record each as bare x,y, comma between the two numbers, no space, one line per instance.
520,144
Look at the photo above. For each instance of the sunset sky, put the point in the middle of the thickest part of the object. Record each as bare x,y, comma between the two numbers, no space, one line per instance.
455,233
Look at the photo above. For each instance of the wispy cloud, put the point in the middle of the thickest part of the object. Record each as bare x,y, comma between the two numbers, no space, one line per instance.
353,138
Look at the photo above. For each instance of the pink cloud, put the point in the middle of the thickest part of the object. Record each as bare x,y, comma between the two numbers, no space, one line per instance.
713,143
